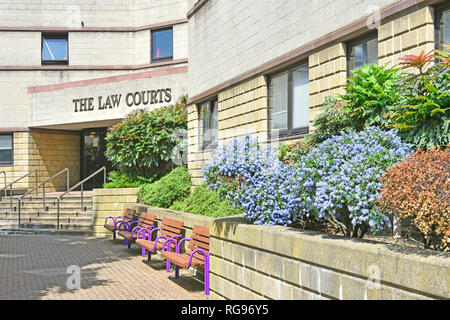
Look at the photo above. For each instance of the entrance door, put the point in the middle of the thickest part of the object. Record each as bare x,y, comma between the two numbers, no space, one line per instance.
93,156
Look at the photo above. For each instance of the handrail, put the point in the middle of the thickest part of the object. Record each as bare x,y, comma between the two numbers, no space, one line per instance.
6,189
60,197
17,180
43,189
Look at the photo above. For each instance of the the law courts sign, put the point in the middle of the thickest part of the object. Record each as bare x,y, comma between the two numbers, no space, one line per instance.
131,99
79,105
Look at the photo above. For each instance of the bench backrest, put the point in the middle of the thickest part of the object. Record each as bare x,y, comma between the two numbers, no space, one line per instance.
171,227
200,240
128,214
146,219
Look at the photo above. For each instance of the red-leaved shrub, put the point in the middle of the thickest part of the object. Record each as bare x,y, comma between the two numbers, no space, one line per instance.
419,188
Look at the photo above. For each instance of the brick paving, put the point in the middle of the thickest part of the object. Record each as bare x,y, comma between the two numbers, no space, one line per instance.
34,267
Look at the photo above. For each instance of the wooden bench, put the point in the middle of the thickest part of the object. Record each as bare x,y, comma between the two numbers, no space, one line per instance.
170,229
196,255
129,215
129,233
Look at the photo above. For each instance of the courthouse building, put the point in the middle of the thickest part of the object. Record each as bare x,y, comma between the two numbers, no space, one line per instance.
265,67
71,69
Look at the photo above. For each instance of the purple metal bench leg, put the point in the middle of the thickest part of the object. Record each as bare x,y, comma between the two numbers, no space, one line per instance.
177,271
143,252
207,276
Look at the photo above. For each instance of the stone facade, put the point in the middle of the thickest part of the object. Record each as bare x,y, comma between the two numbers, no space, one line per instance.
47,152
242,110
408,34
327,76
110,202
109,52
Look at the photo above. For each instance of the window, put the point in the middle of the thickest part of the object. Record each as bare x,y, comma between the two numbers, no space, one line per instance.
362,51
162,44
209,124
442,26
6,149
289,102
55,49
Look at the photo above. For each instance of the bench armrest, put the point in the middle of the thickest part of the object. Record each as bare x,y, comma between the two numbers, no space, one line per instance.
122,223
150,234
144,231
192,256
156,241
172,239
139,228
117,221
130,224
110,217
181,241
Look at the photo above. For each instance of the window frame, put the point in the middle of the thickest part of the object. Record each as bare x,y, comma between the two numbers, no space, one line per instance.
54,36
438,32
353,43
211,146
8,163
153,59
290,132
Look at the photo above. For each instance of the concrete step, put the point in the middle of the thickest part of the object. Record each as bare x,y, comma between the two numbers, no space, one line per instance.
47,209
14,231
45,214
73,224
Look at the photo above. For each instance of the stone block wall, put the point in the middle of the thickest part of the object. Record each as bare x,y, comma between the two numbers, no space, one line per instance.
327,76
409,34
49,153
21,159
282,263
242,110
110,202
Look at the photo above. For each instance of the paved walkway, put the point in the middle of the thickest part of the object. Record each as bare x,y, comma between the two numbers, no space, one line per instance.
35,267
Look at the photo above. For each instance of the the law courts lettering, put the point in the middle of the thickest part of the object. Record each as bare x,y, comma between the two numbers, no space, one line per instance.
131,99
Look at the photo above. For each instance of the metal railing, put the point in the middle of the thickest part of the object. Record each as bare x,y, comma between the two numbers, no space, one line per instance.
6,188
15,181
79,184
42,184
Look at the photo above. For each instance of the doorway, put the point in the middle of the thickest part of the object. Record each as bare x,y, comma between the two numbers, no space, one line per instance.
93,147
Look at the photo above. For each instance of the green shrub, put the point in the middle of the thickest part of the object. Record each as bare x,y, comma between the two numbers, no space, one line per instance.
118,179
163,193
206,203
331,121
142,144
370,93
423,116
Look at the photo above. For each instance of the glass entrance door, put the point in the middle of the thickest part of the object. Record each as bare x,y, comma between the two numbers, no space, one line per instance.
93,156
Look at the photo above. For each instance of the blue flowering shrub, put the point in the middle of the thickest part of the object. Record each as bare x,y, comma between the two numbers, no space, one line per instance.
252,177
341,177
336,183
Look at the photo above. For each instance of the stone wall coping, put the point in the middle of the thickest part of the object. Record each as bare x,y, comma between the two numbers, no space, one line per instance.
115,191
423,272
